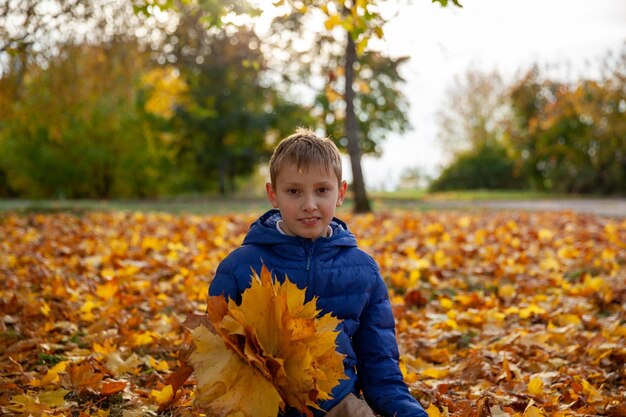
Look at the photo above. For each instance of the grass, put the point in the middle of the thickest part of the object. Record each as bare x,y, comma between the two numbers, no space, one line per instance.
175,206
463,195
402,199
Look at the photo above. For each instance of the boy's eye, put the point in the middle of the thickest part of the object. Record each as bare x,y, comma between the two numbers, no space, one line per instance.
322,190
292,191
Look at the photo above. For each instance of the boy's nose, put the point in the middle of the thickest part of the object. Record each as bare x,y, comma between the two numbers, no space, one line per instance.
309,203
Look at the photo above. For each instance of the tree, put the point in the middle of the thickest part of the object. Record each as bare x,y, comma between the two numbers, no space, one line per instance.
318,66
60,128
380,105
570,137
76,131
473,123
229,109
26,27
36,31
358,21
475,112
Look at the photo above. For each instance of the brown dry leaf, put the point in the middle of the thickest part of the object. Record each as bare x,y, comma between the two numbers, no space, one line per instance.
81,377
112,387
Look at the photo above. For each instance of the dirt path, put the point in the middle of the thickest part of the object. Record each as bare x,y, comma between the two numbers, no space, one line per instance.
604,207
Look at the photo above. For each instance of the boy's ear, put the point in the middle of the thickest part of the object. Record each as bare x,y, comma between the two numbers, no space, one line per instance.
271,194
343,187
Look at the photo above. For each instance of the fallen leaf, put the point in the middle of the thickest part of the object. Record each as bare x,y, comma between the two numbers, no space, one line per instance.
163,396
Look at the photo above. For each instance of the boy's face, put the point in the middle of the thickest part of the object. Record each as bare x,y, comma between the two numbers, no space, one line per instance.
307,199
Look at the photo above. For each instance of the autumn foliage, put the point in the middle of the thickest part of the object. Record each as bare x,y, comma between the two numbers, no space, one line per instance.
253,359
498,313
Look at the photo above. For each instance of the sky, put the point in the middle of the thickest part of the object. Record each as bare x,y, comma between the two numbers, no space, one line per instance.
503,35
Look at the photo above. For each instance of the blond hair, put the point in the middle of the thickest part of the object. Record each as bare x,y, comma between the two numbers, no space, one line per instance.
304,148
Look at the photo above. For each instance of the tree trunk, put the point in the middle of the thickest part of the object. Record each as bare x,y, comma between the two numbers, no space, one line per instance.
222,176
361,203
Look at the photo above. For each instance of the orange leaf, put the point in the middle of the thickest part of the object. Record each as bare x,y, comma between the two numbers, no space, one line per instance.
178,377
110,388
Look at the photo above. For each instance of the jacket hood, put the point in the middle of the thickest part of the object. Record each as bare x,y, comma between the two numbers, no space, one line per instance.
263,232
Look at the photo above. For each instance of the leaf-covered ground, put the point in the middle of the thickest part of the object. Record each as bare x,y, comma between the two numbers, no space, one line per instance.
499,313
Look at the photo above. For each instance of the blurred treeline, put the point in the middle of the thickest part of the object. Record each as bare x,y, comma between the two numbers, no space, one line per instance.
105,101
99,99
538,132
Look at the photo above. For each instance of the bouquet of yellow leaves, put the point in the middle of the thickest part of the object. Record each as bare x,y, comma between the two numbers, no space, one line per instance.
253,359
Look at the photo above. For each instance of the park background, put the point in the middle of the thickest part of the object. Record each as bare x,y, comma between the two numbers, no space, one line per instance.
133,137
117,101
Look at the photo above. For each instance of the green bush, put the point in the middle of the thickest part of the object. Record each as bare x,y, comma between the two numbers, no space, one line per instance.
486,167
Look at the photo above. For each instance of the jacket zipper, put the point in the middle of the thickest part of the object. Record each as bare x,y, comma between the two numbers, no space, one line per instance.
309,249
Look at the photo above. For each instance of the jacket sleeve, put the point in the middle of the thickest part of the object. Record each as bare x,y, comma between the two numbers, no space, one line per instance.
225,282
377,358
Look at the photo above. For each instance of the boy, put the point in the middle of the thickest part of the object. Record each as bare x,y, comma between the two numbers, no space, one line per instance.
302,239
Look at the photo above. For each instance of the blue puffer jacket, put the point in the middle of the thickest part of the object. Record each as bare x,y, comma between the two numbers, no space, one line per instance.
348,284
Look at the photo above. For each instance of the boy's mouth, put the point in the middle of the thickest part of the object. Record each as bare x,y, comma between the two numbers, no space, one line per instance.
309,221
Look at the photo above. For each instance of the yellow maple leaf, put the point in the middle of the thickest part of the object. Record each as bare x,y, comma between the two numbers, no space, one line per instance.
535,386
162,396
26,405
107,291
550,264
433,411
144,338
407,375
532,309
53,398
272,347
593,396
116,364
45,309
532,411
86,309
226,384
506,291
105,348
435,373
158,365
51,376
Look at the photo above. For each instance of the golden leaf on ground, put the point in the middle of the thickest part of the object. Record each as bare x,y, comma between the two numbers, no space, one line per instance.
535,386
51,376
433,411
164,395
435,373
26,405
53,398
532,411
108,289
270,351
